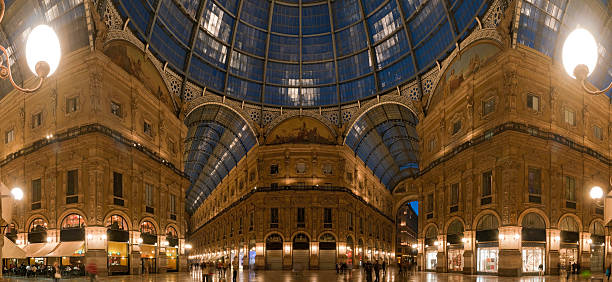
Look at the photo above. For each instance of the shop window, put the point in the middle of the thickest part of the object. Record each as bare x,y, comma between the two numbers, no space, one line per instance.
487,187
301,217
9,136
597,132
274,169
454,197
72,185
533,102
327,218
534,184
116,109
273,217
147,128
456,127
570,117
36,194
488,106
71,105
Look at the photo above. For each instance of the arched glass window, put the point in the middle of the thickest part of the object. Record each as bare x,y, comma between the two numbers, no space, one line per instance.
533,221
597,229
455,228
327,237
171,232
147,227
569,224
38,225
116,222
431,233
73,220
487,222
12,229
534,228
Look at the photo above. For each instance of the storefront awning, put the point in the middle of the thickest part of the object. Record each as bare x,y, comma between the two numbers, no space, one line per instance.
10,250
67,249
39,250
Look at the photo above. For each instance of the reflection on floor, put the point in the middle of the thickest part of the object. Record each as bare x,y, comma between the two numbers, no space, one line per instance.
316,276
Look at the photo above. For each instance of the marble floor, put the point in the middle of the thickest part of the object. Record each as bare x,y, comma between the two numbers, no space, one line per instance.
322,275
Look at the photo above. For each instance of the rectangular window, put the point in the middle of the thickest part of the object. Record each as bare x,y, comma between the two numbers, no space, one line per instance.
172,204
71,105
72,183
274,169
9,136
147,129
251,221
36,120
432,144
240,226
116,109
487,183
454,199
430,203
361,225
350,221
456,126
570,189
533,102
570,117
117,184
597,132
327,218
534,181
36,194
488,106
301,217
149,195
273,217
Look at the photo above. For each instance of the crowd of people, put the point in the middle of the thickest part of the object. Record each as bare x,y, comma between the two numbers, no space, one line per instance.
209,269
41,270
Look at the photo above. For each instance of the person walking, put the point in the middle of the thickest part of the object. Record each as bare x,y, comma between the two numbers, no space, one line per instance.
92,271
368,271
541,270
235,266
57,274
608,270
568,270
377,271
384,267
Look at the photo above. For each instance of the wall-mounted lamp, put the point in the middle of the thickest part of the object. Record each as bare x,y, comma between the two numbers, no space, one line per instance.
188,246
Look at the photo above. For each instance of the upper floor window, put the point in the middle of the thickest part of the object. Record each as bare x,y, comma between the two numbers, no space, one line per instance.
149,195
570,117
116,109
117,184
432,144
147,129
570,191
534,179
273,217
488,106
350,221
327,218
597,132
36,120
533,102
36,194
9,136
454,197
487,187
273,169
172,204
456,126
301,217
430,202
72,185
71,105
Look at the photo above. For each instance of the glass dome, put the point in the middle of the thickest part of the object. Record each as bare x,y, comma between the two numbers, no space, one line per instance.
301,53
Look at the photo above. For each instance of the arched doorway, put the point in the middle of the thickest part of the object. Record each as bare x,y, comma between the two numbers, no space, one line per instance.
350,246
172,249
148,247
407,227
38,246
487,244
598,239
274,252
71,249
431,248
117,245
533,237
301,252
455,246
568,253
327,251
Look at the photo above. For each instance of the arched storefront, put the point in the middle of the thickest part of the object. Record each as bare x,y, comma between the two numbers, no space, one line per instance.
172,260
360,251
598,239
350,246
568,253
274,252
327,251
301,251
71,248
118,247
148,247
487,244
431,248
455,246
38,246
37,231
533,237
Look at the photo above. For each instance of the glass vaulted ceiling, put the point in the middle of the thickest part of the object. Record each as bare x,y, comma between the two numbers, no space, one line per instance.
301,52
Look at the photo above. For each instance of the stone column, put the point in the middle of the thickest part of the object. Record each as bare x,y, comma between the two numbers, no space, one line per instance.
420,254
135,255
314,255
510,261
96,248
441,263
469,257
553,240
608,252
287,255
585,251
260,260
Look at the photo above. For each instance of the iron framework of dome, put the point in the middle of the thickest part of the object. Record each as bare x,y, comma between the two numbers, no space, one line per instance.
301,53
